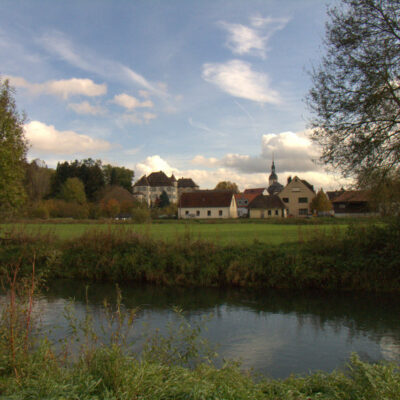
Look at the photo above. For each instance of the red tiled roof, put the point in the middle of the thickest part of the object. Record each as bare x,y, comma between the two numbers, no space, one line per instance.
352,196
142,181
206,198
186,182
332,195
159,179
245,196
254,191
265,202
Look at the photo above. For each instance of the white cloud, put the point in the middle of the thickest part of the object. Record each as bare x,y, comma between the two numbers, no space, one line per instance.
153,164
57,43
86,108
130,102
46,139
149,116
208,179
252,40
62,88
205,162
138,119
238,79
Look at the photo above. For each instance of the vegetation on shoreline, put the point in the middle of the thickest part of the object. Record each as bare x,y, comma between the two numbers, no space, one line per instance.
174,366
361,258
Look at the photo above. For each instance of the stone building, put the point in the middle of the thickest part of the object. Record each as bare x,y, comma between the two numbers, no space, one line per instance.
297,196
151,187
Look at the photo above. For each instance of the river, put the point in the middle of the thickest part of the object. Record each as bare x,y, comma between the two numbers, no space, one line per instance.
275,333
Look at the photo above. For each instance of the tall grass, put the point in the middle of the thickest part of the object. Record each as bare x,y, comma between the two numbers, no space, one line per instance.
362,258
169,367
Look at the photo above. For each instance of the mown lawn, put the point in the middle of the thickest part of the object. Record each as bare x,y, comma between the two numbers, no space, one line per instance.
223,233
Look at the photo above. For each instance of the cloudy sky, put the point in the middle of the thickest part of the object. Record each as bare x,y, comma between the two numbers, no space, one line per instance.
207,89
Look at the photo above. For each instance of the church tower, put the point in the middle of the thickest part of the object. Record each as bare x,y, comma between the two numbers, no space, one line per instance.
273,177
274,186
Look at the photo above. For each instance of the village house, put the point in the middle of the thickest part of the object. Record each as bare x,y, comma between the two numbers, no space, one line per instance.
297,196
207,204
352,203
267,207
243,200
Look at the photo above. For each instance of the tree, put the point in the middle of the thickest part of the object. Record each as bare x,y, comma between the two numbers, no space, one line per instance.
320,203
37,180
13,148
383,189
88,171
355,97
163,201
73,191
227,186
120,176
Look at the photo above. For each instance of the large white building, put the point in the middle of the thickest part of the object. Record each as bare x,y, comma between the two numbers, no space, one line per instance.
151,187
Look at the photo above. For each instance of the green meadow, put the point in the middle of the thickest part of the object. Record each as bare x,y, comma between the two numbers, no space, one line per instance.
221,233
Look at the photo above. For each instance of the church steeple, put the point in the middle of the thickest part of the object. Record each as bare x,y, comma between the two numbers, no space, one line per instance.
273,177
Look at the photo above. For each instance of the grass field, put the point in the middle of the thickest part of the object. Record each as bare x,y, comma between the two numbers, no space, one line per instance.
223,233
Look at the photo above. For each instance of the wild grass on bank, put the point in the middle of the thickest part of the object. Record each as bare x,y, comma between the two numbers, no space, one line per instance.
168,368
361,258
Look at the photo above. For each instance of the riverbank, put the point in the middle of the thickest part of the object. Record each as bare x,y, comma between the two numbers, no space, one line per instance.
360,258
177,364
108,374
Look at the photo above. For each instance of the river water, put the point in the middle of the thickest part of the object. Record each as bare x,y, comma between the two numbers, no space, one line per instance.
275,333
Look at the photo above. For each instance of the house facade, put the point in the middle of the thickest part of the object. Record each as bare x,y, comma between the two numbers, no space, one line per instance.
207,204
267,207
150,187
242,201
352,203
297,196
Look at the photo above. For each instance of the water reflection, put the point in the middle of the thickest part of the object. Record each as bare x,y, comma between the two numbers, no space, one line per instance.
274,332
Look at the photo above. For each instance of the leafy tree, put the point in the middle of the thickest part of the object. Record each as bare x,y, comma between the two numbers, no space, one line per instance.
37,180
13,148
91,174
355,97
73,191
383,188
320,203
112,208
88,171
120,176
163,201
228,186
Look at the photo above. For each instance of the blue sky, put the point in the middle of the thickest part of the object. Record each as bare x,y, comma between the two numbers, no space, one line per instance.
203,89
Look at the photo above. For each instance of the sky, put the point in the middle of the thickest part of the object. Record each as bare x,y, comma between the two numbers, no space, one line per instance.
212,90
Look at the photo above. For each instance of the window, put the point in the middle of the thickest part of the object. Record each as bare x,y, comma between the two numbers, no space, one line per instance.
303,200
276,212
245,202
198,213
209,213
220,213
269,212
286,199
296,190
186,212
303,211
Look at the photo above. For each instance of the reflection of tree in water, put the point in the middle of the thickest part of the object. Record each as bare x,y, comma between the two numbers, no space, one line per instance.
371,315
